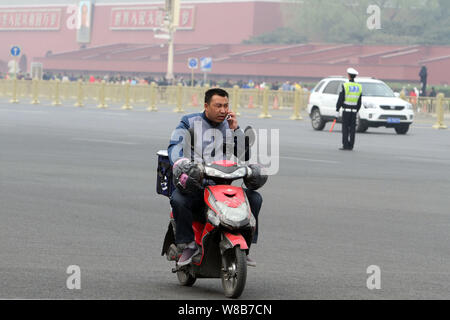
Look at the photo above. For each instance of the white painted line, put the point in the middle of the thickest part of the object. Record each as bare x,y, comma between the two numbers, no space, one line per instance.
310,160
104,141
99,112
24,111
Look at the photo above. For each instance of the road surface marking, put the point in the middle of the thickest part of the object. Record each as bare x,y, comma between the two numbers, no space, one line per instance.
104,141
310,160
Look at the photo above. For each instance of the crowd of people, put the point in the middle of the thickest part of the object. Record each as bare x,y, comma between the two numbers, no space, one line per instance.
162,81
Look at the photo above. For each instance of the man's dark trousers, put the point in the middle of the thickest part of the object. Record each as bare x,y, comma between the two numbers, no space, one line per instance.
348,129
189,207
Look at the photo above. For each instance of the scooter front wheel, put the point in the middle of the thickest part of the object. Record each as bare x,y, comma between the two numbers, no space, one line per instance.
185,278
234,272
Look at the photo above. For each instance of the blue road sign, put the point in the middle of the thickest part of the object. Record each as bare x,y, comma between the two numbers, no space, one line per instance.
193,63
206,64
15,51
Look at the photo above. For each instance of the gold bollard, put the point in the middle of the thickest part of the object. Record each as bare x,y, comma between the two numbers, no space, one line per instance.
236,105
14,94
265,112
280,98
35,90
235,98
179,107
79,102
296,115
57,101
152,106
256,100
403,95
440,112
101,96
127,105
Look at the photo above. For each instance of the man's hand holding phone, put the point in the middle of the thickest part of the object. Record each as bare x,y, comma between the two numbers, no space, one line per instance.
232,120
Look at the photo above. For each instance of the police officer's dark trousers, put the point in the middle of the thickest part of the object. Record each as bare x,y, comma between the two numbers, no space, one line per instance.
191,207
348,129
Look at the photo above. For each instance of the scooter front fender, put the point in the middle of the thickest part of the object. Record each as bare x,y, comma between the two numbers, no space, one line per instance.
230,241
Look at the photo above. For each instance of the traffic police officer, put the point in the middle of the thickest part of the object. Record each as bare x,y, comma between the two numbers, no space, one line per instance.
350,101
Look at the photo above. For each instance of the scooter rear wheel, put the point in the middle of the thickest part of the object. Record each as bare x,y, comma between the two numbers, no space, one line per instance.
185,278
234,272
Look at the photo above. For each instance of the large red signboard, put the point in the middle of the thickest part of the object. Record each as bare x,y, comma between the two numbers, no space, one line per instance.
30,19
147,18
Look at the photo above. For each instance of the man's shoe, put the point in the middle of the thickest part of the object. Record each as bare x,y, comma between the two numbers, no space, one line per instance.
251,262
186,256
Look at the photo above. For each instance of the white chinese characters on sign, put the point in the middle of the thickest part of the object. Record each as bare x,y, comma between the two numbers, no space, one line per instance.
147,18
30,19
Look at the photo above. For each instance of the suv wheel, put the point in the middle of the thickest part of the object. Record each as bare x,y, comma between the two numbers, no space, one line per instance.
317,120
402,129
361,125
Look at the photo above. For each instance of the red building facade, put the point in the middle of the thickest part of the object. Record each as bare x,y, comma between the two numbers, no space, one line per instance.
120,37
40,29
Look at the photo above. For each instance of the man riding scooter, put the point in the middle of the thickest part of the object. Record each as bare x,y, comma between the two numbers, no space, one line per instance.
187,198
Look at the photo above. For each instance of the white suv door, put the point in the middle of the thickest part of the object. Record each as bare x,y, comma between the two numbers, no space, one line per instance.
329,97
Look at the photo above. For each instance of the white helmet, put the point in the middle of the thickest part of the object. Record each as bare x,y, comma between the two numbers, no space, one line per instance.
352,71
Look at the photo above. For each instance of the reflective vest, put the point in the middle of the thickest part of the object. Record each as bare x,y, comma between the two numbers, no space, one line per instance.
353,91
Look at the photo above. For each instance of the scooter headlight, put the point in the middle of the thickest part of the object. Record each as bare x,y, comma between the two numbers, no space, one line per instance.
234,217
239,173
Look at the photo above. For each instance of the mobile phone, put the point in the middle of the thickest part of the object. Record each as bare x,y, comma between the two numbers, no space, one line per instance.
228,117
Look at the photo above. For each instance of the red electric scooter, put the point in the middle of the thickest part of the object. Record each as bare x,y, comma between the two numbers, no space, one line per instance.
224,236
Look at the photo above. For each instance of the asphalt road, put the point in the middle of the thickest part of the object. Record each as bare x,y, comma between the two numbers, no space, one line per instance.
77,187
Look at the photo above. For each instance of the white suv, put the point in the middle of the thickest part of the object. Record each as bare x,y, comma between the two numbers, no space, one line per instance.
380,106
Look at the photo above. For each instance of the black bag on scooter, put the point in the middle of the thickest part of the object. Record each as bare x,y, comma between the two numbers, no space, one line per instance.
164,183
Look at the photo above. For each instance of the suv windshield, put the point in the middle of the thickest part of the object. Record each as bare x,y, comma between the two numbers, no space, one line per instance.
371,89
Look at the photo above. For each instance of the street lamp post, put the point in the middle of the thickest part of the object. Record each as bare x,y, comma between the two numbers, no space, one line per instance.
169,74
170,24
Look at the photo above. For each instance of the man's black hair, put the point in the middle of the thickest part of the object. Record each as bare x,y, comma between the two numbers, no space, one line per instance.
214,91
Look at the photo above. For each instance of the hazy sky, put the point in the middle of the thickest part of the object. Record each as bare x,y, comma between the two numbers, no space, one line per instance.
44,2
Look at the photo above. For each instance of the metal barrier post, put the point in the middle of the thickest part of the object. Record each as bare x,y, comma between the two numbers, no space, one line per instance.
265,112
237,106
296,115
35,91
102,96
234,98
152,106
403,95
440,112
127,105
280,98
14,95
79,102
57,100
179,107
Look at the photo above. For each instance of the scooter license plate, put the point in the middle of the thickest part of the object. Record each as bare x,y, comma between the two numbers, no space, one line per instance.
393,120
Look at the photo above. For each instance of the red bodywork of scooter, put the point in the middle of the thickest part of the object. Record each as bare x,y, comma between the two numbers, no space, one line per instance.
223,237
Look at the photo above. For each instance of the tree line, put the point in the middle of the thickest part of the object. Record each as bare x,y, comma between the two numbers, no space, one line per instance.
403,22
